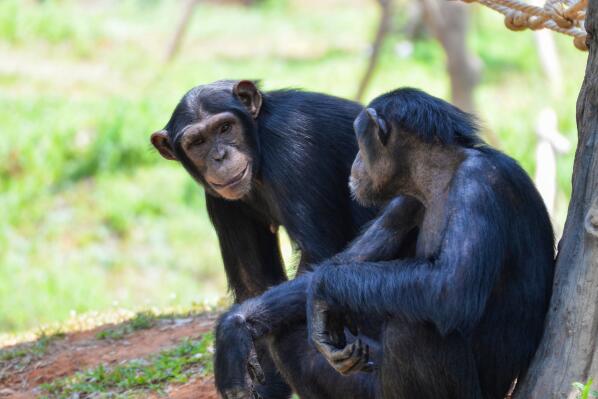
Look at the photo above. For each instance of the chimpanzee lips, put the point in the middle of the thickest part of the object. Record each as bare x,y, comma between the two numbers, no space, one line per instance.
240,176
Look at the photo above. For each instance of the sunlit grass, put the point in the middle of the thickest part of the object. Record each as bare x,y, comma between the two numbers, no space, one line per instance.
133,378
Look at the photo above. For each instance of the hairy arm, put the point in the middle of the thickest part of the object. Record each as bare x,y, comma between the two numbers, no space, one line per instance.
450,289
385,237
250,250
238,329
283,305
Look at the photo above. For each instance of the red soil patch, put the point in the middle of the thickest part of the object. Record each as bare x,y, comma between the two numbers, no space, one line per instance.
82,350
195,389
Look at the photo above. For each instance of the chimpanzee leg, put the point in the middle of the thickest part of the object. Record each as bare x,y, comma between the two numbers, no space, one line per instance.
277,319
309,373
420,363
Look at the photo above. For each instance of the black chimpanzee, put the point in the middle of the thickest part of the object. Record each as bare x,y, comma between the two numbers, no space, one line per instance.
465,315
460,318
268,159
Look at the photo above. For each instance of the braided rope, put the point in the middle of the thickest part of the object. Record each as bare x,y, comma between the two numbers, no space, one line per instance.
563,16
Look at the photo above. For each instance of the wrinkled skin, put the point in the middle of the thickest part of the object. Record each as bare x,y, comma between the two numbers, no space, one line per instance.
330,340
216,147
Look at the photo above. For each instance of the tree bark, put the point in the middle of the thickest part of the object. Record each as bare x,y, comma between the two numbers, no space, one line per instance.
569,349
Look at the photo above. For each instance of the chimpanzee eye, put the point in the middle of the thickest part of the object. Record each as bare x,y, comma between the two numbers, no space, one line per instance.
225,127
198,141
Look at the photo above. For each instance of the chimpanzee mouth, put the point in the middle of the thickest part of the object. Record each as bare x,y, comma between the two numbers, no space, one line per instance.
239,177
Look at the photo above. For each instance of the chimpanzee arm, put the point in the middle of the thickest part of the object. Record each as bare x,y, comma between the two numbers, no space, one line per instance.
279,307
275,309
285,304
278,312
385,237
250,250
450,289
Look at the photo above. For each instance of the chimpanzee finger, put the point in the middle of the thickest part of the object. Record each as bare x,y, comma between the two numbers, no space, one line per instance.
339,355
254,368
347,365
369,367
361,359
323,345
358,360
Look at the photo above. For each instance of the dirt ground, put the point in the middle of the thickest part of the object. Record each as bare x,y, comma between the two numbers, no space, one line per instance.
82,350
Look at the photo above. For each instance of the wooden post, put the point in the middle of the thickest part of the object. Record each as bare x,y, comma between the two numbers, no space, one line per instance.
383,27
569,349
449,23
181,29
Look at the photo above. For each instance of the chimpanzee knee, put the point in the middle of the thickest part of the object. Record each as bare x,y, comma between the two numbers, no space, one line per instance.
420,363
310,375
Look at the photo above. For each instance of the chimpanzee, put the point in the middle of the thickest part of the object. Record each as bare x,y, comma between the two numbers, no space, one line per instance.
267,159
459,318
464,316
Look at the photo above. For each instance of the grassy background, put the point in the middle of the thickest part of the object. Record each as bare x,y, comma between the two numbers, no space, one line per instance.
93,219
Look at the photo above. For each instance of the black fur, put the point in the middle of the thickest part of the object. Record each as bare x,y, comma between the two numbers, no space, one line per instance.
303,149
428,117
303,146
278,317
466,318
460,322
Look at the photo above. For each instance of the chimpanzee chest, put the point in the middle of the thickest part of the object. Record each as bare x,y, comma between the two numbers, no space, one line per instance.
431,232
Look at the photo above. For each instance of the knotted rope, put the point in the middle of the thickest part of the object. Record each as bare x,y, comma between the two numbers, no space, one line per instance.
563,16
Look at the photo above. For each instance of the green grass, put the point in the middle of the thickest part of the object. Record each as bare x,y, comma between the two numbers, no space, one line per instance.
141,321
585,390
133,378
93,219
17,358
36,349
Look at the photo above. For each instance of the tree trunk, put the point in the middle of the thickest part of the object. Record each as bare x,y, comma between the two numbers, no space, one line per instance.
449,23
181,29
569,349
383,27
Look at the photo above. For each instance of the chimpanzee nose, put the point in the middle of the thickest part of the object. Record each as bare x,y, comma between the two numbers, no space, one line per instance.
220,154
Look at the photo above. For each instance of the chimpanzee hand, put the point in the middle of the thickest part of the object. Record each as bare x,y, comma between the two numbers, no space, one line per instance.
327,333
236,367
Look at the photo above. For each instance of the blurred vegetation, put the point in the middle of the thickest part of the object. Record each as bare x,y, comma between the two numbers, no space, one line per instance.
92,218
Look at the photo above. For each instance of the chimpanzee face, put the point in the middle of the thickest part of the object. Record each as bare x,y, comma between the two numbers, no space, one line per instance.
375,169
209,136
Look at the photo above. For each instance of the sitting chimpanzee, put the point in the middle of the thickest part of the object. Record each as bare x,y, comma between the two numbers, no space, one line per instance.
267,159
460,318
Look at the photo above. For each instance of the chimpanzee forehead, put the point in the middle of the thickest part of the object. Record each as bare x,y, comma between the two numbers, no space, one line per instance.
200,102
213,95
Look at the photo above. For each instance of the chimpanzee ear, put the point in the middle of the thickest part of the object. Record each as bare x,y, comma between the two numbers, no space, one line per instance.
160,141
378,123
249,95
383,132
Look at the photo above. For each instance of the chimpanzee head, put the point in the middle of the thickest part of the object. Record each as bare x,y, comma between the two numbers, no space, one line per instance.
375,168
212,132
399,130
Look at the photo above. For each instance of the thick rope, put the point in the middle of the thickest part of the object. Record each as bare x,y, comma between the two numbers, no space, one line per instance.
563,16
